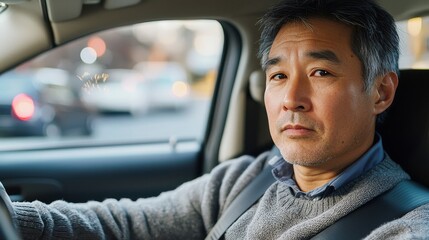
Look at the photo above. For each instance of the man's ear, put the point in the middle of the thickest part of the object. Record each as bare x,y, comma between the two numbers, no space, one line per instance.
385,88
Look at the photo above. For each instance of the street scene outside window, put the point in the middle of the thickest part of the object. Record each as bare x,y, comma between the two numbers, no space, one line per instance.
414,36
150,81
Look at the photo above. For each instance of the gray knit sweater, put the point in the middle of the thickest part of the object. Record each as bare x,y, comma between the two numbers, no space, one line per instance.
191,210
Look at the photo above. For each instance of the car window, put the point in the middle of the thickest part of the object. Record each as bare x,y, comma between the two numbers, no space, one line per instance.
150,81
414,43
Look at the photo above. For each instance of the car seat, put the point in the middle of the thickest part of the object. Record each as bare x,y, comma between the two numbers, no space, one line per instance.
405,129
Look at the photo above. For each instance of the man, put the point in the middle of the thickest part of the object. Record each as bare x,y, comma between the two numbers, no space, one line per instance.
331,69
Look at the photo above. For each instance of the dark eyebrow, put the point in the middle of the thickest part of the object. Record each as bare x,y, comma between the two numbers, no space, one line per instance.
324,55
321,55
270,62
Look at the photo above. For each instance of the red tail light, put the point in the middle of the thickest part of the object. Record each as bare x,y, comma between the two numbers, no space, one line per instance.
23,107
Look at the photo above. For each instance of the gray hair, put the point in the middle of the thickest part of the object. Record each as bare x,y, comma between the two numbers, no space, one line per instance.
374,38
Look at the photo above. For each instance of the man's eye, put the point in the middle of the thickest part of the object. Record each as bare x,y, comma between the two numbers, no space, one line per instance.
321,73
278,76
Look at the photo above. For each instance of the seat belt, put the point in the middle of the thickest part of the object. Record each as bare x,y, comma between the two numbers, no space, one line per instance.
401,199
245,199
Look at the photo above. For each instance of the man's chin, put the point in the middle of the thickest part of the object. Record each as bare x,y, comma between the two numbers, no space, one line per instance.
303,159
307,163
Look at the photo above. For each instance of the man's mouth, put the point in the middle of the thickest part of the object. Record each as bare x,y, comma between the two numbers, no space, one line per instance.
294,127
296,130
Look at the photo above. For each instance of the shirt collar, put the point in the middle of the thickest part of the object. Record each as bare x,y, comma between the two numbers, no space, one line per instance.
283,172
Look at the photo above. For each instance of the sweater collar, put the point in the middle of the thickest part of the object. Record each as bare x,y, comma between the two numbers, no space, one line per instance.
283,172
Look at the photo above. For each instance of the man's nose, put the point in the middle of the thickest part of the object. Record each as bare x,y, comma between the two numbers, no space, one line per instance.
297,95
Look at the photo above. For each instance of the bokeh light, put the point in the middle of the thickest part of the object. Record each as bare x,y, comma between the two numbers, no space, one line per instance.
98,45
88,55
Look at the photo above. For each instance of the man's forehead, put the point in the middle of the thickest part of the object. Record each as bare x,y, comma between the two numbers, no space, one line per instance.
316,28
322,39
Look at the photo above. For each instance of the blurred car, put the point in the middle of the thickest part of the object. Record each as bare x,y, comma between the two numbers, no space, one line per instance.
150,86
116,90
38,103
166,84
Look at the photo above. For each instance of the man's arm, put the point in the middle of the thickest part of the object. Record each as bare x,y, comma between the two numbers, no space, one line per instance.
187,212
171,215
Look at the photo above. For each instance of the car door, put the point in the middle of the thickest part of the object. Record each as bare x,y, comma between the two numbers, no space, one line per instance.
128,155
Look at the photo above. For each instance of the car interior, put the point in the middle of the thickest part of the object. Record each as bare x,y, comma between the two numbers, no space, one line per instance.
83,169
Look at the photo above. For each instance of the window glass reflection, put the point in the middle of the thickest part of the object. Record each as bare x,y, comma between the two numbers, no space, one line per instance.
150,81
414,36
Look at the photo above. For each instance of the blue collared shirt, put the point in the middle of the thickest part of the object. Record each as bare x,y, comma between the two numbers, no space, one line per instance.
283,171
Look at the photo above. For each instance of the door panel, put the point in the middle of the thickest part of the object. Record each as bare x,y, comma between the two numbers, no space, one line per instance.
96,173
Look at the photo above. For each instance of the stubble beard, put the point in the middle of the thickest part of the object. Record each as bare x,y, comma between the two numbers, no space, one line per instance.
308,158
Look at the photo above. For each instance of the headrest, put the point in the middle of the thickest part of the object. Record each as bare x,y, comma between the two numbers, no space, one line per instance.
257,85
405,130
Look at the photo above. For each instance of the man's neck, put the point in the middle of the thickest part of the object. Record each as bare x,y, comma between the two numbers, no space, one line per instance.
311,177
308,178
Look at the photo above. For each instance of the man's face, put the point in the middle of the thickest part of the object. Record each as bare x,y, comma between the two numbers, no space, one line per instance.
319,113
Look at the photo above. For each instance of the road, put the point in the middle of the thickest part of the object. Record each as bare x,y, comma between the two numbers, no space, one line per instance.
189,122
155,125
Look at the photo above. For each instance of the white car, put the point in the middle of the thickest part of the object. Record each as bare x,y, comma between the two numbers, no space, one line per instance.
115,90
166,83
150,86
